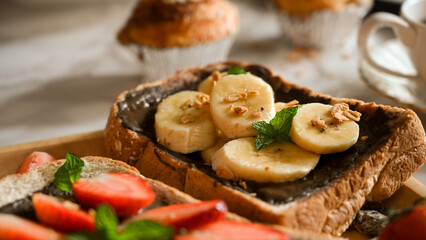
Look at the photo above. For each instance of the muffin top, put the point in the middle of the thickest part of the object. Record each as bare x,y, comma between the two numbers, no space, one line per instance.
306,7
179,23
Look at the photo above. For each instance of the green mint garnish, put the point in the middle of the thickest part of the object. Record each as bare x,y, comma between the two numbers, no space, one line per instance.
68,173
236,71
277,130
106,222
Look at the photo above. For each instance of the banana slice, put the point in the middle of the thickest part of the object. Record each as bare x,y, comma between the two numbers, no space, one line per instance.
208,153
314,129
206,86
239,100
183,122
278,162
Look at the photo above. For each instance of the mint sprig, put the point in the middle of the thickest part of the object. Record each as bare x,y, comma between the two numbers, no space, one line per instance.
106,222
236,71
68,173
277,130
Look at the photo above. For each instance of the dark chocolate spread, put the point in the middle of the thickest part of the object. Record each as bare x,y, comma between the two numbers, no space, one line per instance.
24,207
138,109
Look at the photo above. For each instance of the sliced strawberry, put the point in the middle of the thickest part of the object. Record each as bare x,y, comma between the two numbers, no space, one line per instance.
188,215
13,227
63,216
410,225
34,160
233,230
126,193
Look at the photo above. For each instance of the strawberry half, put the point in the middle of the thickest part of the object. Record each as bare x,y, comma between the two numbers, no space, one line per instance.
34,160
126,193
411,225
13,227
63,216
188,215
233,230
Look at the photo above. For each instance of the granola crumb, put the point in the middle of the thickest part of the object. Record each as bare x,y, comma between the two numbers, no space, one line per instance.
319,124
341,112
363,138
203,98
240,111
197,104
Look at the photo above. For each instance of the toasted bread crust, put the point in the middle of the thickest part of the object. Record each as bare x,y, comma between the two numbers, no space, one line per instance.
330,210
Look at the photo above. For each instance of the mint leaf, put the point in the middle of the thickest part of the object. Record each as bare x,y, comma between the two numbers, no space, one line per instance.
146,230
236,71
277,130
68,173
106,222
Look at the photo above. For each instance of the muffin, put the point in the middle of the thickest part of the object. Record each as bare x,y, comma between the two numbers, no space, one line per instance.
320,23
168,35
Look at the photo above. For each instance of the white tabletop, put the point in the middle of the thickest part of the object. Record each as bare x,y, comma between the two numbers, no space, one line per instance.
61,67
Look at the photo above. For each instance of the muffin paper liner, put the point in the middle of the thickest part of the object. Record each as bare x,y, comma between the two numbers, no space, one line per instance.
323,28
157,63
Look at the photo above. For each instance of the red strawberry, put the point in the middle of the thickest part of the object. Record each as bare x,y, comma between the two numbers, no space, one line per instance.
233,230
188,215
34,160
63,216
411,225
126,193
13,227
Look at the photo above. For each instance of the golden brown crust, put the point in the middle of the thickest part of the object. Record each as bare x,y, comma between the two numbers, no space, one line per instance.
160,25
330,210
306,7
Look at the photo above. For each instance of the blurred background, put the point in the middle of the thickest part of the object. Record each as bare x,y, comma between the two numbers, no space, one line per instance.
61,66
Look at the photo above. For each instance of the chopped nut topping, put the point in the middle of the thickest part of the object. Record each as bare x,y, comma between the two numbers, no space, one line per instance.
232,98
319,124
188,104
226,173
197,104
231,107
216,75
243,95
186,119
363,138
254,93
242,184
240,111
267,168
291,103
203,98
341,112
257,114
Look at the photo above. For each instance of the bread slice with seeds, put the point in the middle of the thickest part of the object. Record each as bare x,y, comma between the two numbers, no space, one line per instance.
326,200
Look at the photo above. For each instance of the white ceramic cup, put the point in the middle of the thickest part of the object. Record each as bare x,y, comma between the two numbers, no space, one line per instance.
410,28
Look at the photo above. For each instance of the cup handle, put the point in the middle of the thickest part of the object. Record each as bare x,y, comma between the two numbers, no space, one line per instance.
402,29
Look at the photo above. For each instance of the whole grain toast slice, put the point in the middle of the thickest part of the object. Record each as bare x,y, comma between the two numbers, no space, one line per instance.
19,187
391,147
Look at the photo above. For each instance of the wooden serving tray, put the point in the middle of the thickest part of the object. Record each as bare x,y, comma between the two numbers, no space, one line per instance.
92,143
